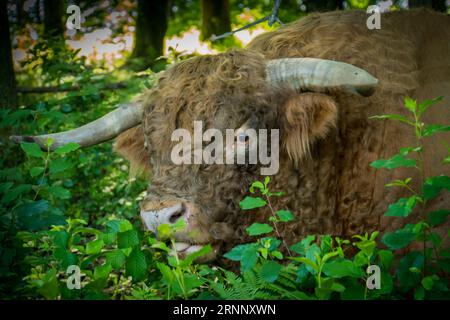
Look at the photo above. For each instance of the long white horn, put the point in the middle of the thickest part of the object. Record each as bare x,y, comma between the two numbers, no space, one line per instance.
95,132
311,74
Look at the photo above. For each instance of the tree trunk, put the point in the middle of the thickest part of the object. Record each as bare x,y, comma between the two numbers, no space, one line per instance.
20,13
54,12
438,5
215,18
151,27
8,94
37,11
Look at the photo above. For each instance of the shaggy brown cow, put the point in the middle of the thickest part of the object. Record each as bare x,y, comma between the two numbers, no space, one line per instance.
321,108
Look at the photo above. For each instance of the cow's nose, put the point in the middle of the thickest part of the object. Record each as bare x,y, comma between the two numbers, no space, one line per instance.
152,219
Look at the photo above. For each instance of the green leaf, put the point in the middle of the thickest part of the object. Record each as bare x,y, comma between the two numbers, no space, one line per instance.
164,231
38,215
60,238
393,117
386,258
302,246
94,247
5,186
116,258
353,292
410,104
103,271
136,265
402,208
428,282
307,262
396,161
121,225
32,149
433,186
419,293
437,217
249,258
285,215
270,243
399,183
432,129
67,148
48,286
127,239
60,165
195,255
340,269
258,185
192,281
13,193
59,192
277,254
235,254
166,272
270,271
446,160
252,203
425,104
266,181
35,171
257,229
264,252
435,238
398,239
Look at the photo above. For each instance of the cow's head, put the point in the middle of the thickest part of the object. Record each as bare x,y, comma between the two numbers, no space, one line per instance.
233,90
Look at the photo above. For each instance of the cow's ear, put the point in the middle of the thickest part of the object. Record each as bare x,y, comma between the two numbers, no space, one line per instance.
131,145
305,118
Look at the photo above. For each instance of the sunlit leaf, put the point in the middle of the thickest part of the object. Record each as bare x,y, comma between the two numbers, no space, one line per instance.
393,117
252,203
425,104
67,148
285,215
410,104
340,269
432,129
95,246
127,239
257,229
32,149
396,161
402,208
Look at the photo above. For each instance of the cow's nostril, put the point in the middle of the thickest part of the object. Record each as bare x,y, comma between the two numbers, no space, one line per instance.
177,214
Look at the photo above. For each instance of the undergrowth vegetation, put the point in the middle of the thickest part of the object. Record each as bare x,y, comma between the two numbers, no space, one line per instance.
72,207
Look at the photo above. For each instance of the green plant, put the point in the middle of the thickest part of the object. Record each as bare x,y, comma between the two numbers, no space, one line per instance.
426,271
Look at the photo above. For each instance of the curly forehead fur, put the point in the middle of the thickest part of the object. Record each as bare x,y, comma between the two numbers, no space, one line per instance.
219,90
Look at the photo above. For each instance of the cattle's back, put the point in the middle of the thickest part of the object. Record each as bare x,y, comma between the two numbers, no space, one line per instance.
410,55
